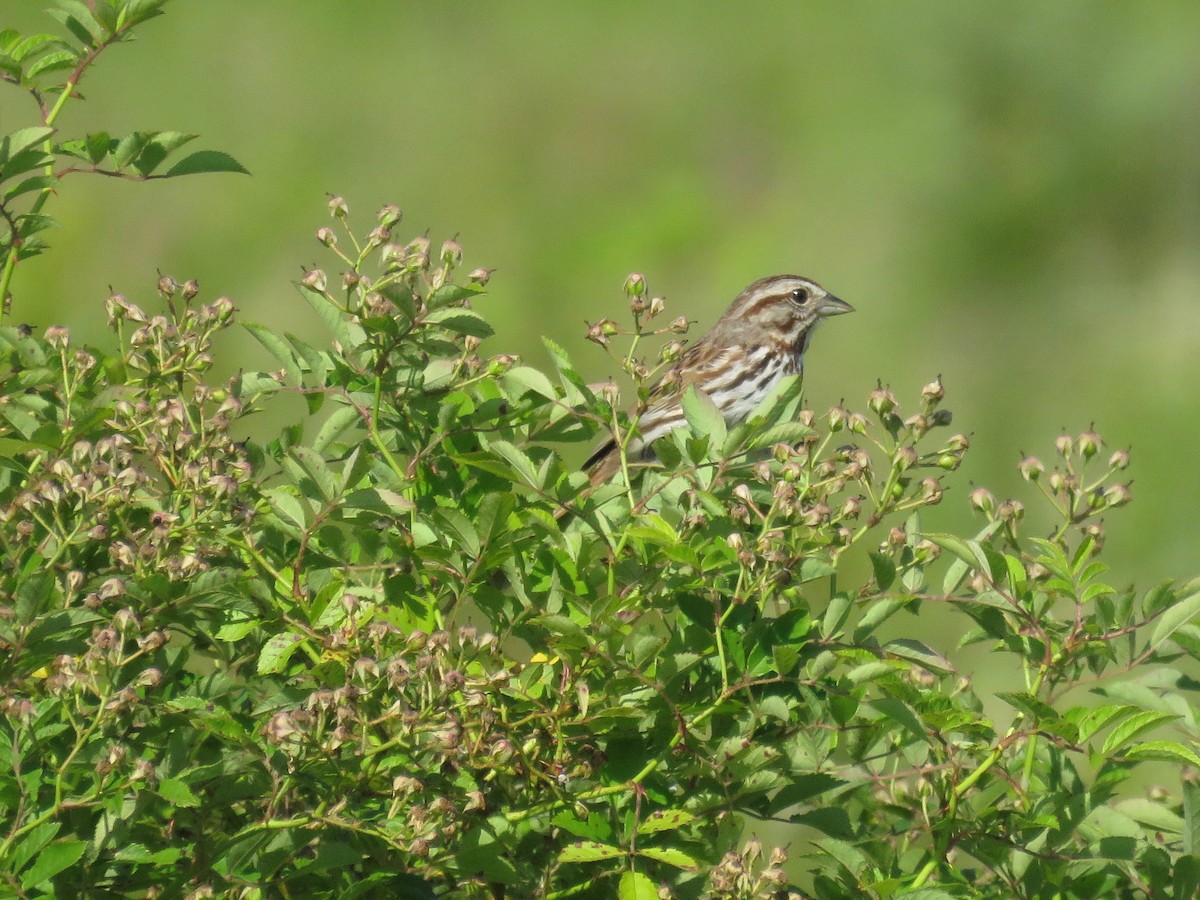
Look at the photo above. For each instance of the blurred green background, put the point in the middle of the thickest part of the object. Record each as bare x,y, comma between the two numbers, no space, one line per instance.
1010,194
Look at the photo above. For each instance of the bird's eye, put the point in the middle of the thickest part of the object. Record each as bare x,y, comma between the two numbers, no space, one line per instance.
800,295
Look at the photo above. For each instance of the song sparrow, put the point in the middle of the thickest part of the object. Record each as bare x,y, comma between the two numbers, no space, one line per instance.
760,339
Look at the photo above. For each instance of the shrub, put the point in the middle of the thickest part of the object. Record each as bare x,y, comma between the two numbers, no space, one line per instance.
400,648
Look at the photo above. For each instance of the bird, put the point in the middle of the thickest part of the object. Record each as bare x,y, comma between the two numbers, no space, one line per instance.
760,339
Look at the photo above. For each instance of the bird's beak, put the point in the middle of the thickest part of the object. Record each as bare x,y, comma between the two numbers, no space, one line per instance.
832,306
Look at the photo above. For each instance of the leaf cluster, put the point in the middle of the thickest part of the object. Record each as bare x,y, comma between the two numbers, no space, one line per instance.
403,647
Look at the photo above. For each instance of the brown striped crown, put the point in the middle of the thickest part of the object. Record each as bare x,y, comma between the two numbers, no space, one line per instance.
778,311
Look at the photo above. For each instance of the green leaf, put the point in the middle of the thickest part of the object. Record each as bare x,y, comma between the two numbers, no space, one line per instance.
884,569
518,460
21,140
1182,612
520,379
923,655
1139,723
205,161
176,792
664,820
1036,709
54,858
56,61
159,145
1166,751
340,420
127,149
280,349
588,851
276,652
30,845
36,183
460,320
380,500
671,857
97,146
79,21
636,886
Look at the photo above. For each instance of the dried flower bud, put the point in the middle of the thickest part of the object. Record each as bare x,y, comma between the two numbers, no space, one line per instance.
881,401
452,253
498,365
57,337
479,276
857,423
897,537
1031,468
635,284
389,215
1089,443
905,458
1011,511
314,279
338,207
931,490
933,392
167,286
191,288
1118,495
983,500
837,418
679,325
1119,460
326,236
1064,446
610,393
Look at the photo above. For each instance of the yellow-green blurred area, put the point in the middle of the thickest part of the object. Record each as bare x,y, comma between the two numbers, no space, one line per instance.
1008,193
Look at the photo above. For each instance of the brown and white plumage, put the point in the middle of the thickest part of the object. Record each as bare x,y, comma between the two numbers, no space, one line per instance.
760,339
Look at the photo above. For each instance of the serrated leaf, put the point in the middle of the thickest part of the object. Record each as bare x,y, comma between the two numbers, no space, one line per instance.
588,851
883,568
205,161
159,145
22,140
1036,709
460,320
517,459
520,379
380,500
80,21
36,183
1180,613
55,61
636,886
276,652
671,857
53,858
338,422
127,149
278,348
1166,751
664,820
1126,731
30,845
176,792
923,655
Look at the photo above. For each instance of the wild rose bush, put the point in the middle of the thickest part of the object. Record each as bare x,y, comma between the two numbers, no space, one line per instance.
400,648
